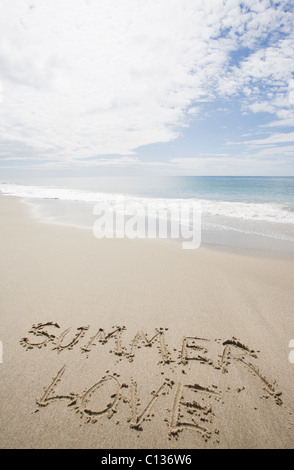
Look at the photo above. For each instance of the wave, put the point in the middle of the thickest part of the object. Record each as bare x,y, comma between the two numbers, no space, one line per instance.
269,212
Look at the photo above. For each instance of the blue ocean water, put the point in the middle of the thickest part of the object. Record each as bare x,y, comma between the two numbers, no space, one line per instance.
236,211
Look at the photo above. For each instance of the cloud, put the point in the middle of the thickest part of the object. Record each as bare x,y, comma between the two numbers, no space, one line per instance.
276,139
86,78
262,164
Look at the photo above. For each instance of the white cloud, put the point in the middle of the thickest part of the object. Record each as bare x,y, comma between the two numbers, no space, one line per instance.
89,78
225,166
275,151
275,139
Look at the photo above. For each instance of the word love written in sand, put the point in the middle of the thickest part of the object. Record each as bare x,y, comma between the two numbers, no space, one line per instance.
193,404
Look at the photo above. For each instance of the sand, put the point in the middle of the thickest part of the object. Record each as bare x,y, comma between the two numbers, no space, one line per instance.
140,344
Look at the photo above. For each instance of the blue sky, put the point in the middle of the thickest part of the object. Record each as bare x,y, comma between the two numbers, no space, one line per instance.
146,87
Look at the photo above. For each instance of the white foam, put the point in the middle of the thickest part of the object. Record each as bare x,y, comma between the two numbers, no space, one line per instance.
269,212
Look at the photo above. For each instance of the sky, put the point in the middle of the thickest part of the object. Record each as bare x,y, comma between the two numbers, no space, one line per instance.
167,87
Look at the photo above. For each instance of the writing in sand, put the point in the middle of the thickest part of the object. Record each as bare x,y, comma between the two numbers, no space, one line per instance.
191,377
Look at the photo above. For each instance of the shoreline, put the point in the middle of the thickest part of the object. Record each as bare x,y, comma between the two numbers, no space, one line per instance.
227,247
136,319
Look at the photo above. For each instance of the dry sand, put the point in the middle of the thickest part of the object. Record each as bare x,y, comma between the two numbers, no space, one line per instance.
216,375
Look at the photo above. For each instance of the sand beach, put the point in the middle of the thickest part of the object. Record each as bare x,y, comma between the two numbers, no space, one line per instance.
140,344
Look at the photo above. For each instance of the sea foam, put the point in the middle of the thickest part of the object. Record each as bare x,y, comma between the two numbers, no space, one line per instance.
269,212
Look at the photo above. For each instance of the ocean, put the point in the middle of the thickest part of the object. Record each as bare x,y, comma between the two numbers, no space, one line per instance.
255,213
